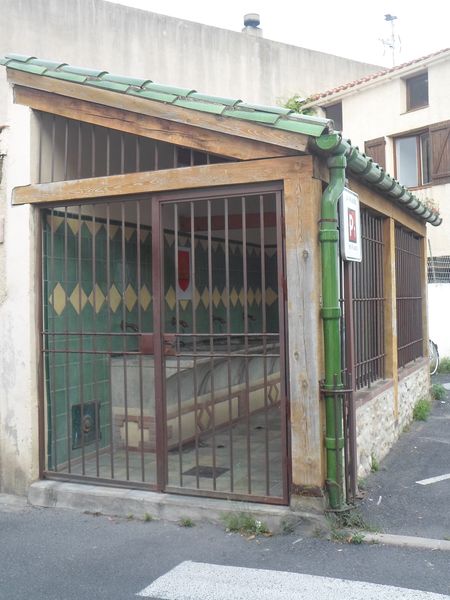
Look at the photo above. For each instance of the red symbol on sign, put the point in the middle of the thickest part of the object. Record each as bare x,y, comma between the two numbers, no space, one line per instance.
184,275
352,226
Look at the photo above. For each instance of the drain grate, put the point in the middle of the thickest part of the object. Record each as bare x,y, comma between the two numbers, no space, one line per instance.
204,471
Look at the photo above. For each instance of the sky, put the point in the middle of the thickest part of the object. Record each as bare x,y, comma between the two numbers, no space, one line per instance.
350,28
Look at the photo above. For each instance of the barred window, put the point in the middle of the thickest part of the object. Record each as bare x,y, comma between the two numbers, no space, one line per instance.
439,269
408,272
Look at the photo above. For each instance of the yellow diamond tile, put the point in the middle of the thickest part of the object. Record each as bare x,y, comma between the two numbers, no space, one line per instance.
271,296
114,298
196,298
250,296
171,298
78,298
130,298
205,297
93,227
54,221
144,234
58,299
224,297
241,296
96,298
74,225
129,232
234,297
145,297
216,297
184,304
258,296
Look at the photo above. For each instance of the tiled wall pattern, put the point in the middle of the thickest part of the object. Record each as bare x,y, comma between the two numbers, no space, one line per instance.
85,304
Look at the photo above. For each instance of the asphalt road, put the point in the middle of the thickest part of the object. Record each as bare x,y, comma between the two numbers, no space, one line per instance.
54,554
395,502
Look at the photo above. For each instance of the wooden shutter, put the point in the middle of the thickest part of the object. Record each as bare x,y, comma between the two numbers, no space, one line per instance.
440,151
376,149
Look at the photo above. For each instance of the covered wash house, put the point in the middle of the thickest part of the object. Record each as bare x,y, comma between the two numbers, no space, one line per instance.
191,323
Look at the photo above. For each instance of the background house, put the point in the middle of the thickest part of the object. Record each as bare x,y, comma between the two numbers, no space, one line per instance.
401,118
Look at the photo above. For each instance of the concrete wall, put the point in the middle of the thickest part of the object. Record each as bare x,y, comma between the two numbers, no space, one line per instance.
381,419
379,109
439,316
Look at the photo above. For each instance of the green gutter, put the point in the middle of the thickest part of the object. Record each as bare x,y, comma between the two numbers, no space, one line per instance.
331,312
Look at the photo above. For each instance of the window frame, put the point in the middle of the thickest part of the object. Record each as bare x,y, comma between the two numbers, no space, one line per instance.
334,105
418,135
409,105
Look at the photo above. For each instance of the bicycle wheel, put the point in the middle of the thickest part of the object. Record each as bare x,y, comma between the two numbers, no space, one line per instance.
434,357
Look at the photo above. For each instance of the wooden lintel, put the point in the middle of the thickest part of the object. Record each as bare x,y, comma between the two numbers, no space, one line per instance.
149,182
226,125
147,126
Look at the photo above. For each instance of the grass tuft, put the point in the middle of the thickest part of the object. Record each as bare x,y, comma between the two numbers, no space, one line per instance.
186,522
148,517
444,365
374,464
438,391
244,523
422,410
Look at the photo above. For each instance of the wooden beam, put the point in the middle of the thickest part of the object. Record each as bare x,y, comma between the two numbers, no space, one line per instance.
149,182
147,126
390,308
162,110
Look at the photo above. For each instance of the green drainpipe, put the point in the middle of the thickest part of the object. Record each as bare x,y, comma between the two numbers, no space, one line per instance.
329,240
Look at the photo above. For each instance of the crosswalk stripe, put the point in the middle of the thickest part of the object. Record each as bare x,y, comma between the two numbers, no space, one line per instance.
204,581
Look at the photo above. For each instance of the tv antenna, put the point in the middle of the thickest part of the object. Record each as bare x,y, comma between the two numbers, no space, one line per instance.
393,42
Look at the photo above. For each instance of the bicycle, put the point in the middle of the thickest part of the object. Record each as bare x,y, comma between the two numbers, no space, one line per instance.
433,356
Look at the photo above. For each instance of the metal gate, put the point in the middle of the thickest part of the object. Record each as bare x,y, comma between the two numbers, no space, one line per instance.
163,341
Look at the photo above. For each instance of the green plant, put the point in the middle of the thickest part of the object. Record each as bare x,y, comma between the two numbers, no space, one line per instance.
130,517
444,365
438,391
357,538
374,464
244,523
421,410
186,522
297,103
148,517
362,483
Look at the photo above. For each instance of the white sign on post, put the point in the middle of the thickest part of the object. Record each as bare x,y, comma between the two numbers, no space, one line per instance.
350,226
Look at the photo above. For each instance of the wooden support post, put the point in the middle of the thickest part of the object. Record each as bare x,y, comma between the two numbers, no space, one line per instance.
390,308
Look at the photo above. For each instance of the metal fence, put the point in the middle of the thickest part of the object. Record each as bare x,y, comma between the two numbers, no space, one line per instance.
439,269
408,268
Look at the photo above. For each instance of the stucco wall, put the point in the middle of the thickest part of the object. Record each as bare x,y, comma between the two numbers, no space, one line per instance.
380,422
439,316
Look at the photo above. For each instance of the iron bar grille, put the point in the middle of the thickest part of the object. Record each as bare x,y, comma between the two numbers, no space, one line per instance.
439,269
70,149
368,303
408,270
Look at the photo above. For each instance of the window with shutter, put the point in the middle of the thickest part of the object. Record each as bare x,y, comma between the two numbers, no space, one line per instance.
440,151
376,149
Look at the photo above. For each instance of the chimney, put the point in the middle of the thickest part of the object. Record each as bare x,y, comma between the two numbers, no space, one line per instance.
251,25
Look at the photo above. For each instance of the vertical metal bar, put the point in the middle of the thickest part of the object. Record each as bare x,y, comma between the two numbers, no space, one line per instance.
93,150
282,341
156,163
79,149
80,327
54,337
108,153
138,154
42,290
158,319
191,157
66,146
94,357
108,300
67,343
40,118
246,349
264,339
194,334
124,335
211,344
228,323
122,154
177,342
139,324
52,171
350,360
175,157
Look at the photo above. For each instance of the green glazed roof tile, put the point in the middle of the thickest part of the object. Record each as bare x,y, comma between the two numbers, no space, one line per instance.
247,115
83,71
19,57
314,130
125,80
24,66
277,110
158,96
66,76
49,64
108,85
168,89
215,99
208,107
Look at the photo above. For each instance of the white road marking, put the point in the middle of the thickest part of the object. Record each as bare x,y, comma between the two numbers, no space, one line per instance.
447,386
433,479
203,581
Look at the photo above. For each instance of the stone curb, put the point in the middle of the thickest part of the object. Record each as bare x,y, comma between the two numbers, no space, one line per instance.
168,507
406,541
